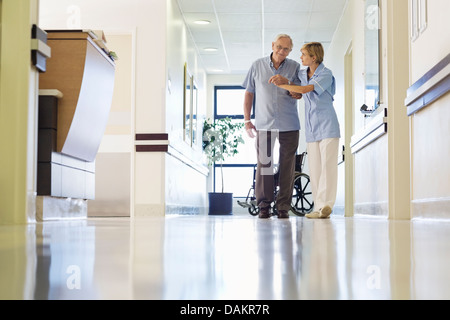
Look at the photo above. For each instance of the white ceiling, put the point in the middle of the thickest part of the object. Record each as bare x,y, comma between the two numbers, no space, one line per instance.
243,30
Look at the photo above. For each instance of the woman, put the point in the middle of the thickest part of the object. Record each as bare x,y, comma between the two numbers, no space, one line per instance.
321,126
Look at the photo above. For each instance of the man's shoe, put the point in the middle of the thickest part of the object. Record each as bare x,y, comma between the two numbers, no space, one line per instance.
283,214
325,212
264,213
313,215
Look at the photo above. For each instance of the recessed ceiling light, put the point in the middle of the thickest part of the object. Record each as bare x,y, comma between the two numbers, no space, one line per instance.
202,22
210,49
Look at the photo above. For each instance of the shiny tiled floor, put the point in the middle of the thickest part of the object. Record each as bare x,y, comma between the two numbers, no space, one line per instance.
226,257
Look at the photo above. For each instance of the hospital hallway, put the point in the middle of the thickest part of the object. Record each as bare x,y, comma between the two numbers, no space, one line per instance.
235,257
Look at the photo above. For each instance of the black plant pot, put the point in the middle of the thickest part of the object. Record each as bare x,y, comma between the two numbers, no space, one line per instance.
220,203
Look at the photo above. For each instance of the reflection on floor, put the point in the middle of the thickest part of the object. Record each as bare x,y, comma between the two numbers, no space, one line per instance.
225,257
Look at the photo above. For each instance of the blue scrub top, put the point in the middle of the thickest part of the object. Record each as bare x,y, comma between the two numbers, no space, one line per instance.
274,108
321,121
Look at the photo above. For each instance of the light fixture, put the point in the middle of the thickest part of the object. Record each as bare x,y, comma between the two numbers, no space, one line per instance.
202,22
210,49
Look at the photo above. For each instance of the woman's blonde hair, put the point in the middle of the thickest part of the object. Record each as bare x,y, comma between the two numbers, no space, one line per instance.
315,49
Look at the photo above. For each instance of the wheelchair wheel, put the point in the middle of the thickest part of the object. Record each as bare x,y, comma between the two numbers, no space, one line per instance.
253,210
302,200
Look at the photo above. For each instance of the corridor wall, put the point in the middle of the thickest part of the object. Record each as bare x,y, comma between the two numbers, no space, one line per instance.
430,126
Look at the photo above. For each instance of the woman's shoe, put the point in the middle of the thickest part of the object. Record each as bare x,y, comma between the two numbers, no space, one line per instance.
325,212
313,215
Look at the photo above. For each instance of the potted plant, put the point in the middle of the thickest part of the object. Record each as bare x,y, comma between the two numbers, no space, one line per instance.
221,139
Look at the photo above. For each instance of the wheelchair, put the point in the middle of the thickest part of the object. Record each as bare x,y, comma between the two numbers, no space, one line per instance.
302,202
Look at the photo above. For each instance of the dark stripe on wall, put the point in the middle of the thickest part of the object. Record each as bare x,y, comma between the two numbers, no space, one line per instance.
152,136
152,148
164,137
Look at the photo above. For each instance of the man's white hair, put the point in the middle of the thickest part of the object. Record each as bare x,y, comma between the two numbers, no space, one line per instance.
283,35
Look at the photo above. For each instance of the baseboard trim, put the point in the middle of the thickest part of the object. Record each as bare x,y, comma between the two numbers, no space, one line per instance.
149,210
375,209
184,210
53,208
438,208
339,211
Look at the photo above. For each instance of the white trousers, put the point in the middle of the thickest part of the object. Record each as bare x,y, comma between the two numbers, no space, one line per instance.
323,171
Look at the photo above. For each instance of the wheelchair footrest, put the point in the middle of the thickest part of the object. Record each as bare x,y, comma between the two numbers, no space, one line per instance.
244,204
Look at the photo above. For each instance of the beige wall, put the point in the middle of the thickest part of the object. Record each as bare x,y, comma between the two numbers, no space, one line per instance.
430,127
434,43
18,113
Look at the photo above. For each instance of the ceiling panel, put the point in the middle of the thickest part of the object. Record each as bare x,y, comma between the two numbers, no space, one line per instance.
327,5
292,21
288,6
241,37
243,30
240,50
191,17
196,6
238,6
322,20
320,35
244,21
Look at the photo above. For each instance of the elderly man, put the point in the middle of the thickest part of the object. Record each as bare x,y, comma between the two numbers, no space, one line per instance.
276,117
